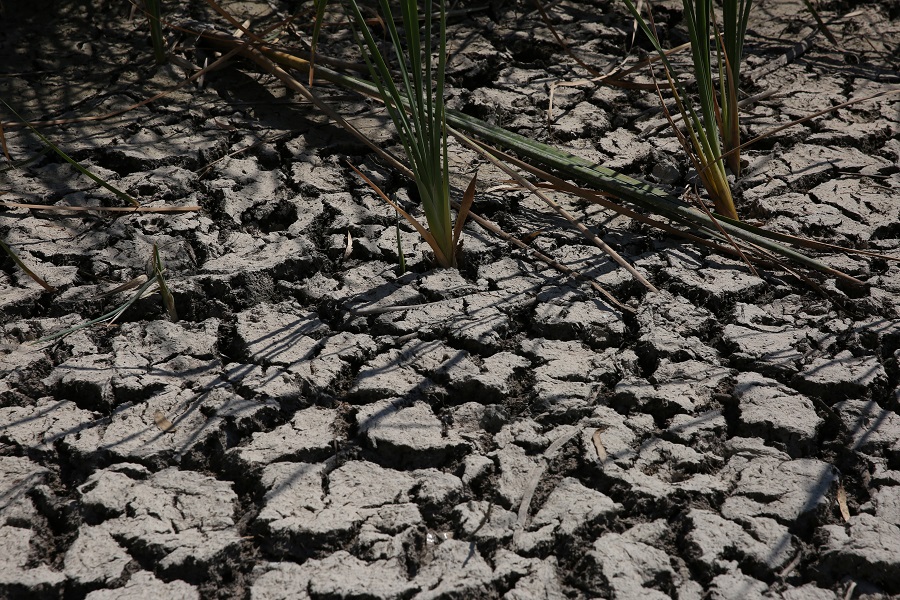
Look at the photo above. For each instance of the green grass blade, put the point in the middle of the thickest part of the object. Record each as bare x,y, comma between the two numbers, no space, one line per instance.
156,36
317,31
168,299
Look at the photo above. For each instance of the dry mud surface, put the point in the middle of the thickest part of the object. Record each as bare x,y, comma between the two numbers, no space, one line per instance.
509,434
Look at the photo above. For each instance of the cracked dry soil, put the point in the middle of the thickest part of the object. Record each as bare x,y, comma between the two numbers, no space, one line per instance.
277,442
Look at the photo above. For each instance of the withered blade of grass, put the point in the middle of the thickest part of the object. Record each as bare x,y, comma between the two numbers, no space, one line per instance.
597,440
842,502
464,208
125,287
735,16
348,247
3,144
163,423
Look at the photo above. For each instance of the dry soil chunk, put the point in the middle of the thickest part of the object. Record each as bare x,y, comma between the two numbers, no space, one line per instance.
144,585
770,352
865,548
515,466
146,358
17,579
299,515
714,542
484,521
675,387
134,433
697,431
671,326
734,585
717,281
570,507
389,375
885,504
631,569
541,583
181,519
844,376
18,477
872,428
282,581
308,437
787,491
493,381
570,371
39,427
558,316
456,570
776,413
411,436
270,255
281,334
342,575
445,283
95,557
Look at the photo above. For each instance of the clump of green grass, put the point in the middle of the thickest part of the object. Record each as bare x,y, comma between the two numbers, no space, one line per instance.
415,103
717,115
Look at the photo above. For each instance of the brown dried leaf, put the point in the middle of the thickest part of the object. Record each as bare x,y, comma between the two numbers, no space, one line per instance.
598,446
842,502
464,208
164,424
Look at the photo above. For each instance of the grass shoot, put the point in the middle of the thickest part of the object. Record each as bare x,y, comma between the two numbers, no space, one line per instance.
704,128
415,104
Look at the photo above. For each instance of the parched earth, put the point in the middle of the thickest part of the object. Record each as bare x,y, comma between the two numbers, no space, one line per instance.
318,425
